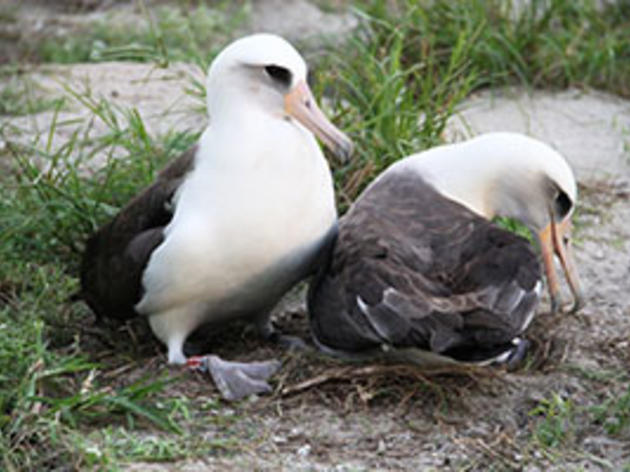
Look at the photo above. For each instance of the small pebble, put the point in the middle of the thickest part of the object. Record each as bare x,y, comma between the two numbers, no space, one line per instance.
304,450
381,447
295,432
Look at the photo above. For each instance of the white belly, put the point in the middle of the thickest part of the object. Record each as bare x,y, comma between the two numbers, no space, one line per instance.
239,236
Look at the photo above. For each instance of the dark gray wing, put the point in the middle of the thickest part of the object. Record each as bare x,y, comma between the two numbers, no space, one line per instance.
411,268
116,255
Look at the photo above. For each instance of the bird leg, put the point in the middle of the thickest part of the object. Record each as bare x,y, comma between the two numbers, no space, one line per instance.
236,380
268,332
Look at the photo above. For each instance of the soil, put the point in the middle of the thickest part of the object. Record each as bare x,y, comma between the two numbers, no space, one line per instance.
391,417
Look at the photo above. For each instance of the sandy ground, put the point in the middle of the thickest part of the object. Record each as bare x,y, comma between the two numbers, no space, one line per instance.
393,418
161,96
592,129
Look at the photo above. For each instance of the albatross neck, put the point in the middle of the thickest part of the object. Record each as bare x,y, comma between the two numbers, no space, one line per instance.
460,174
501,173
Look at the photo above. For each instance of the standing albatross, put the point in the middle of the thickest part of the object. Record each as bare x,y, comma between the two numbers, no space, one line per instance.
418,264
233,223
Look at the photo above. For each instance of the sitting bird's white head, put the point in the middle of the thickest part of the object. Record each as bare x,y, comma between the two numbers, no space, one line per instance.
266,72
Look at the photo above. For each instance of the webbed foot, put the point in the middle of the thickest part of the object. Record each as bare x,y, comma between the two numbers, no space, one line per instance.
268,332
518,353
236,380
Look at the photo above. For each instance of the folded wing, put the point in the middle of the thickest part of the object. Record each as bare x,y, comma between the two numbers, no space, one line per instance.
423,272
116,255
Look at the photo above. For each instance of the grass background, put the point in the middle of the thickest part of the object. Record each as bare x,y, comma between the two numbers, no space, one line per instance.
391,86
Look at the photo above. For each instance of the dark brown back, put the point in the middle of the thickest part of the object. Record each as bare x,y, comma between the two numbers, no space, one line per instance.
411,268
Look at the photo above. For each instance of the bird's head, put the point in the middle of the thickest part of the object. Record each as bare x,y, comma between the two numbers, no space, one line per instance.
536,185
265,71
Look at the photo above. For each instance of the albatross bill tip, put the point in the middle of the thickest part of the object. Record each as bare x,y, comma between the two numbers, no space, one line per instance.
555,240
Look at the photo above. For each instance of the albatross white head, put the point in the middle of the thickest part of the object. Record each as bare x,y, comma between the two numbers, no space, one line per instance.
509,174
265,71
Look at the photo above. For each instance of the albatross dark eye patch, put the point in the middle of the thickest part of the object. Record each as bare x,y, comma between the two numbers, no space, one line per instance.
562,204
279,74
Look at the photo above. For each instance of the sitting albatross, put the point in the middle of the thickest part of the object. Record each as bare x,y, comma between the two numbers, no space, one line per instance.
417,263
232,224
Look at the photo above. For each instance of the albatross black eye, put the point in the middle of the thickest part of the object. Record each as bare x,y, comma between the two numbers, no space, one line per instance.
562,205
279,74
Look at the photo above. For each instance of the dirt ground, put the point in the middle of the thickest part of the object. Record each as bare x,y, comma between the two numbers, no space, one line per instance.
377,417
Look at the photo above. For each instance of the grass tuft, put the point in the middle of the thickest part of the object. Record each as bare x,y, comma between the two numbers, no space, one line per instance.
614,414
54,197
164,34
21,96
560,423
48,387
557,424
389,105
541,43
60,195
